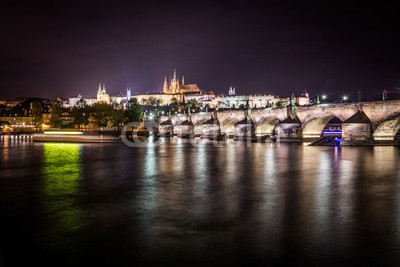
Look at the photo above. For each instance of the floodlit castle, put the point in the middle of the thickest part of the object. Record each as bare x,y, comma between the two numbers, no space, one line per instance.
175,87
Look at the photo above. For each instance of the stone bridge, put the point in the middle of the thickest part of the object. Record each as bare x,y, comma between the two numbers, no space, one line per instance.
384,117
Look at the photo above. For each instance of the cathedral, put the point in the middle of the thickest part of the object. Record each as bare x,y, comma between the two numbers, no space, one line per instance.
175,87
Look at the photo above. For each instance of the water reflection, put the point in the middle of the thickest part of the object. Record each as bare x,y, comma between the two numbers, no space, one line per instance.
60,192
175,203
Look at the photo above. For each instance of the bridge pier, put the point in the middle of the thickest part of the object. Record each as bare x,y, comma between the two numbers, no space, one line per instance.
290,130
211,129
357,130
244,130
166,128
185,129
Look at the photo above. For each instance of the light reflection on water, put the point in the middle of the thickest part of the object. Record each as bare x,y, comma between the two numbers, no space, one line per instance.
175,203
61,191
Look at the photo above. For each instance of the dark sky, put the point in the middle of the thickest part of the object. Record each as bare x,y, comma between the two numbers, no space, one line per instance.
62,48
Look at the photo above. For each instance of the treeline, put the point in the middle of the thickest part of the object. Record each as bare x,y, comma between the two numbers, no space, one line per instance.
98,115
104,115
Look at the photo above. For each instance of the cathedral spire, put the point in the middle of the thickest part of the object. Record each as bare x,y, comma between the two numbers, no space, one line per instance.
174,75
165,88
183,80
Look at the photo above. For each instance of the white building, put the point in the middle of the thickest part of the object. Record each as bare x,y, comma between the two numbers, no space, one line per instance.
303,99
73,100
235,101
102,96
204,98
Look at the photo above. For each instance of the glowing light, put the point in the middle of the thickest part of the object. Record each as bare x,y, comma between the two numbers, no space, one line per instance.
337,141
345,98
324,97
384,138
311,136
62,132
60,189
332,132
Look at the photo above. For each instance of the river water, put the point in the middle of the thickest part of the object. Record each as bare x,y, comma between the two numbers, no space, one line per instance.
80,204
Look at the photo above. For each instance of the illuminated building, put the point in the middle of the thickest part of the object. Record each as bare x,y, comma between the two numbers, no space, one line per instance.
73,100
175,87
235,101
102,95
303,99
164,99
17,120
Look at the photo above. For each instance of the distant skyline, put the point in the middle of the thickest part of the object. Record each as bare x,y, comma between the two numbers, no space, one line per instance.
62,48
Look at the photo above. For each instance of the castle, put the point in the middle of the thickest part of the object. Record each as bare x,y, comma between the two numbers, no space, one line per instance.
174,87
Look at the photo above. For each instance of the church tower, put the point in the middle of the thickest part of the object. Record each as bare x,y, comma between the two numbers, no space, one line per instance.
128,94
99,93
165,87
102,96
174,83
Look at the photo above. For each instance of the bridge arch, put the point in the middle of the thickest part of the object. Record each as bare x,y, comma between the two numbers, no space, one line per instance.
314,126
266,125
228,125
198,124
388,128
178,119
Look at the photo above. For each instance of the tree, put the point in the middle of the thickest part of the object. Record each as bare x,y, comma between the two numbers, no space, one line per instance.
55,116
37,113
280,104
134,111
193,104
174,104
101,113
117,117
152,101
144,101
159,102
80,113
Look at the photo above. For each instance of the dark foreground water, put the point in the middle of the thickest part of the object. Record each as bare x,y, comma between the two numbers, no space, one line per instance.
108,204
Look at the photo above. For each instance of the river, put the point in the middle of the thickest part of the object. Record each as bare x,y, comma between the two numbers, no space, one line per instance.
174,203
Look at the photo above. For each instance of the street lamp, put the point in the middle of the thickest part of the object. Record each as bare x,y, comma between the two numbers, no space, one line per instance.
323,97
345,98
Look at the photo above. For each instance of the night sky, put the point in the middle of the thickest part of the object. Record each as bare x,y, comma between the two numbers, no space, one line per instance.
62,48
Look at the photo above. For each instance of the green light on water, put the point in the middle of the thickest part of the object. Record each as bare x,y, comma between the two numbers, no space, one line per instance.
62,172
